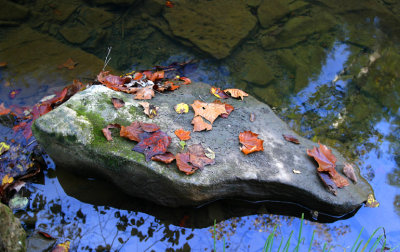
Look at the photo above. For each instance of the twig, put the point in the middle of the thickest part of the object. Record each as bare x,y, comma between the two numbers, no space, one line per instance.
107,60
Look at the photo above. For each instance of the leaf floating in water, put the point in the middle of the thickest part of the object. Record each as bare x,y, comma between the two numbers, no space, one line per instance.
45,235
69,64
4,148
371,201
118,103
13,93
291,138
4,110
62,247
348,170
3,64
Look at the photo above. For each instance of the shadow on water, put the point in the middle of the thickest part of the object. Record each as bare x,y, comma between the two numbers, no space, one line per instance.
328,68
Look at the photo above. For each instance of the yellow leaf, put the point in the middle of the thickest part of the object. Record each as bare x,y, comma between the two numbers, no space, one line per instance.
181,108
7,180
4,147
62,247
371,201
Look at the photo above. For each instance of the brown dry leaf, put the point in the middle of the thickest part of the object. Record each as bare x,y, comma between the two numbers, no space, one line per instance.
200,125
236,93
229,108
70,64
348,170
182,161
209,111
132,131
250,142
252,117
198,157
3,64
182,134
144,93
167,157
291,138
327,162
328,182
149,109
106,131
118,103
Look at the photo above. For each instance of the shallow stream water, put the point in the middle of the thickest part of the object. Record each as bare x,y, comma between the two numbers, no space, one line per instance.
330,69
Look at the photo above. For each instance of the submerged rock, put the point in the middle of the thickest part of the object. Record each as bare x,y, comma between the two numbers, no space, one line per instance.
12,235
215,27
71,134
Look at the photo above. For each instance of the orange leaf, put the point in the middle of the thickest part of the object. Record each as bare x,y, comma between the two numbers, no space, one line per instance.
236,93
182,134
169,4
182,161
132,131
144,93
327,162
167,157
209,111
157,75
219,93
200,125
70,64
186,80
229,108
250,142
3,64
137,76
4,110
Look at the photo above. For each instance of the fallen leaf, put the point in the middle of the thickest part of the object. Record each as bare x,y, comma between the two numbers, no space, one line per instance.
219,93
209,153
106,131
348,170
149,127
41,109
229,108
182,162
169,4
4,148
197,156
157,75
3,64
7,180
152,144
149,109
118,103
62,247
371,201
144,93
296,171
236,93
137,76
209,111
250,142
291,138
112,81
328,182
167,157
185,80
182,144
148,74
13,93
45,235
327,162
200,125
181,108
70,64
182,134
4,110
132,131
252,117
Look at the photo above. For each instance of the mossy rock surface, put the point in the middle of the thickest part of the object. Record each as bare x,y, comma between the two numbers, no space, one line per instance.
71,134
12,235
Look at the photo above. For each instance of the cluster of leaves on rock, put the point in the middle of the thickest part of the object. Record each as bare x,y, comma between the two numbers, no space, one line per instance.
151,140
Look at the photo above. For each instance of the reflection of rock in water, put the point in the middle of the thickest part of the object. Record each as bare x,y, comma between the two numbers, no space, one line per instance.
102,193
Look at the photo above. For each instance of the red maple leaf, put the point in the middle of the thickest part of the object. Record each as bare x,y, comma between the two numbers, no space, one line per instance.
152,144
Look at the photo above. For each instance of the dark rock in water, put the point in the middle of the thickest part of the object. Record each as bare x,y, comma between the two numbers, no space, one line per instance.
12,235
71,134
75,34
12,12
215,27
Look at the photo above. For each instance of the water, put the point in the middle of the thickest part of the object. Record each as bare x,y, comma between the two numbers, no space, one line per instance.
328,68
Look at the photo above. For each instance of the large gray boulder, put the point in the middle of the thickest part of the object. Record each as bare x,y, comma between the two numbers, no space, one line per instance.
71,134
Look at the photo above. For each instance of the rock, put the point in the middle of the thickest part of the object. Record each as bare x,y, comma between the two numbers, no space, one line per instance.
256,69
12,235
71,135
96,17
64,10
272,10
215,27
115,2
11,11
76,34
